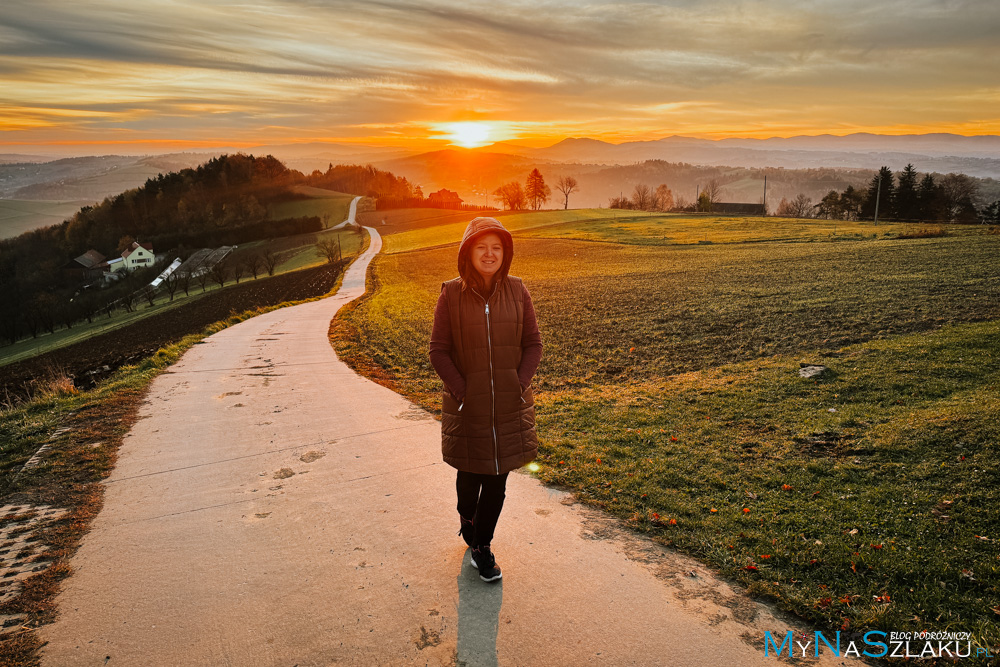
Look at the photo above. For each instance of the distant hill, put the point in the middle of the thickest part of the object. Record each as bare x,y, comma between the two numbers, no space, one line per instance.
471,172
20,215
944,153
87,178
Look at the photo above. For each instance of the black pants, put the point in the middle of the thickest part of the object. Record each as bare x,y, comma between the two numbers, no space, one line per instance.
480,498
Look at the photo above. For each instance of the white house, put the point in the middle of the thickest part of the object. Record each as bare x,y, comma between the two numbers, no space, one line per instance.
138,256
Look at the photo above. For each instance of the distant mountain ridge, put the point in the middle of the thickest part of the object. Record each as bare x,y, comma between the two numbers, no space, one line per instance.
973,155
476,173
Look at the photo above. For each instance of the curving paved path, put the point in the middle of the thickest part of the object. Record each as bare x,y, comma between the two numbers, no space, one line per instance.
271,507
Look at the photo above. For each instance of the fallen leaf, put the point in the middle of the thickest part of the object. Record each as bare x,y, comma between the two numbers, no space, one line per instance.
673,522
746,510
823,603
713,510
787,487
853,531
750,568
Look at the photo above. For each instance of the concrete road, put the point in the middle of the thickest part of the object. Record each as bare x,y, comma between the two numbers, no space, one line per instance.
271,507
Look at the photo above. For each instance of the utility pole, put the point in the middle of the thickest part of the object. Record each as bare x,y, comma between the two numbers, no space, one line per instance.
878,195
765,195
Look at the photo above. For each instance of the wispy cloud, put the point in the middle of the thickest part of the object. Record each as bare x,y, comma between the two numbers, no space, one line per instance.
338,68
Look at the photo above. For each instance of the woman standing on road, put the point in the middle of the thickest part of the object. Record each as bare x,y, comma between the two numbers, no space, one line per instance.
486,347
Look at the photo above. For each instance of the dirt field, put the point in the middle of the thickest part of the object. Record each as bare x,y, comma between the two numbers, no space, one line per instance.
89,361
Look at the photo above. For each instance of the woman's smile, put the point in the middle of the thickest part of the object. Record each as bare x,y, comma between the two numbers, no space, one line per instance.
487,255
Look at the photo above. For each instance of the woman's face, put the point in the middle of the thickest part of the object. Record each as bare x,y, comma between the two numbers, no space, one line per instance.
487,255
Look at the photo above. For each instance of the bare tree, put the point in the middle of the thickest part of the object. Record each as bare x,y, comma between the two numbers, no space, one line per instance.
512,196
714,192
185,281
220,272
128,302
663,198
566,185
642,197
149,293
254,264
800,207
270,261
330,249
203,278
238,270
171,284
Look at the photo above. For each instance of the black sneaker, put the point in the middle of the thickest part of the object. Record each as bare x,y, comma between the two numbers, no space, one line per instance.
483,560
466,530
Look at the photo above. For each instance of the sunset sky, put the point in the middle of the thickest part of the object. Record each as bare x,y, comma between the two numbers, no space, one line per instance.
187,74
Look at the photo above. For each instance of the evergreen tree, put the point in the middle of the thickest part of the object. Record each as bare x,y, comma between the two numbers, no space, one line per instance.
829,206
535,191
929,199
850,203
905,206
880,193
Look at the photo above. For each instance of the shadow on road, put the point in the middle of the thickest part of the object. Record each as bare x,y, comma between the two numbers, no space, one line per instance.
478,617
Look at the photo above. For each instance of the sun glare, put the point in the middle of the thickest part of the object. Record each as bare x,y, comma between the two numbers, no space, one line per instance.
468,134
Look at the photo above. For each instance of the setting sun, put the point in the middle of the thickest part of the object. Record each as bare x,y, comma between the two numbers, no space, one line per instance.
468,134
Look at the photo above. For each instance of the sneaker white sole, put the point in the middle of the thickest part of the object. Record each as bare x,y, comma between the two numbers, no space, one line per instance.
472,559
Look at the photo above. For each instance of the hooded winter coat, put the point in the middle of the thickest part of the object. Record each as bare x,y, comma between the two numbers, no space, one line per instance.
486,348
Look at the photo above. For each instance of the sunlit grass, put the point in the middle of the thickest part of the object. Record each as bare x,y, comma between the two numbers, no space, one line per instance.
328,205
671,229
450,231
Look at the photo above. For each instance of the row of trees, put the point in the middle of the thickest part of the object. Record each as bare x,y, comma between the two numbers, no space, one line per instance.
366,180
905,196
645,198
535,192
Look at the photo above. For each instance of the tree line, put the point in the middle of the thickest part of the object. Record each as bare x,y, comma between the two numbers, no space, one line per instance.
535,192
645,198
905,197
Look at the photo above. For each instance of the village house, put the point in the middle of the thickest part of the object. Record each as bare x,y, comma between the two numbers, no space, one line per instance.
444,199
138,256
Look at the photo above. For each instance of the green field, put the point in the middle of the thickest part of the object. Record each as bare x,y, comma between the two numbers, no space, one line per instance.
330,206
19,215
294,253
669,395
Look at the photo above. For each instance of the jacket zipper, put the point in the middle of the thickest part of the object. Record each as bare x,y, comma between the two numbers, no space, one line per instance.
493,393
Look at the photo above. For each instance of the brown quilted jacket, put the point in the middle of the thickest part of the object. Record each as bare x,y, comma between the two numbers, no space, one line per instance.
493,430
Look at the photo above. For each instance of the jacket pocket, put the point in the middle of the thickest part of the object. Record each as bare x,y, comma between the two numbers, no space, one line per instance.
527,397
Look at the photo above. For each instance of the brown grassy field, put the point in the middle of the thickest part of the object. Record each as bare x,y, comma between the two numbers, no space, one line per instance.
668,395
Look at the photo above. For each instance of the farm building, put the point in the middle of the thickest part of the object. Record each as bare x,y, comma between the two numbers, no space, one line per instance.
445,199
738,209
85,267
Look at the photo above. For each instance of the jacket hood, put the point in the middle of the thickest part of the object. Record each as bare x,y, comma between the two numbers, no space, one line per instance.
476,228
